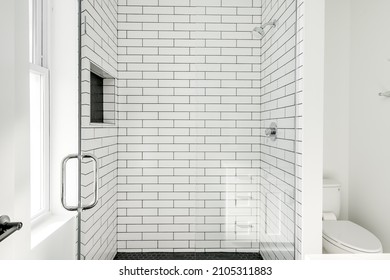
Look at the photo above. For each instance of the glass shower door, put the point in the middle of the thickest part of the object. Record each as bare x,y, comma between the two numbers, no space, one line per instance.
278,95
228,130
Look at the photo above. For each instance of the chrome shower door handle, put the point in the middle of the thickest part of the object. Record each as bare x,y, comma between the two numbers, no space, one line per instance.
63,182
96,181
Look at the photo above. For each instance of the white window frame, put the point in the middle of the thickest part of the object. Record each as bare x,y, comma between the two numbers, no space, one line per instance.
39,66
44,135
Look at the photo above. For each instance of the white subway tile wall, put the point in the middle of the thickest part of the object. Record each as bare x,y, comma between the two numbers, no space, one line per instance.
189,125
99,46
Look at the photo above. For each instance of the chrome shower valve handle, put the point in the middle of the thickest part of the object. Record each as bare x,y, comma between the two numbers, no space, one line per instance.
272,131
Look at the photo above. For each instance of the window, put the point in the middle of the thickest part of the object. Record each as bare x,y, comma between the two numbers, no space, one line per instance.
39,109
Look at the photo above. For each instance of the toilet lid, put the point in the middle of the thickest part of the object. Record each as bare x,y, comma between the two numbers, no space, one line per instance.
352,236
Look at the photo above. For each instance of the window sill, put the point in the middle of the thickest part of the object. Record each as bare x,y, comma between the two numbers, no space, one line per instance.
44,228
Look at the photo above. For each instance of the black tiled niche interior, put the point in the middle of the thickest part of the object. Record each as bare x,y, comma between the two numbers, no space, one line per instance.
97,101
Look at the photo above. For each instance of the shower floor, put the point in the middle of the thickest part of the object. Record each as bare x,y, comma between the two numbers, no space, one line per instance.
188,256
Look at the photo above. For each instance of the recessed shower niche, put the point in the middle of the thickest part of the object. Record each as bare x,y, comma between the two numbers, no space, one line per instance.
102,96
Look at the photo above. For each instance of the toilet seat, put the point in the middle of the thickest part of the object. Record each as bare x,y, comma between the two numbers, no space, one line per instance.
351,237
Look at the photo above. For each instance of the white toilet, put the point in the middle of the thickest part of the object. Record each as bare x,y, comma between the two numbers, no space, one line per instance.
343,237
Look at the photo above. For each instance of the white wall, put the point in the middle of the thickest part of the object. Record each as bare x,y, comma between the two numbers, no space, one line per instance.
15,144
370,118
336,98
14,125
312,135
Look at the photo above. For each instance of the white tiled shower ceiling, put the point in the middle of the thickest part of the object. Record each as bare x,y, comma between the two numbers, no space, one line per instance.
191,108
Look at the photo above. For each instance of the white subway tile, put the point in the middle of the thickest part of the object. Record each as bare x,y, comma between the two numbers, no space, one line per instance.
221,43
220,10
236,19
205,34
174,51
190,43
189,75
174,131
189,26
174,18
190,10
142,18
174,116
173,228
187,155
206,3
158,59
157,204
157,236
158,10
156,156
174,34
174,2
158,123
142,2
205,18
175,212
174,67
157,220
157,42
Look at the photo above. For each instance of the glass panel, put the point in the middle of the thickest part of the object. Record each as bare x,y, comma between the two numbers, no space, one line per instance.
227,118
277,101
100,133
187,156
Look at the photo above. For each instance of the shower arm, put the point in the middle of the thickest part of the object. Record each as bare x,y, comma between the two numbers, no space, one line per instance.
270,23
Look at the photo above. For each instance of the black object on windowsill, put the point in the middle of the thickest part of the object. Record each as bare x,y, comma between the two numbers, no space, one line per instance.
7,228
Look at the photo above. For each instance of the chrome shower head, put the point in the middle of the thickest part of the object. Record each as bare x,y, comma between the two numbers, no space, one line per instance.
259,30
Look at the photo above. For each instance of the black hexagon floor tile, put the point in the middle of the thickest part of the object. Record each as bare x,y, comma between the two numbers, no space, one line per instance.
188,256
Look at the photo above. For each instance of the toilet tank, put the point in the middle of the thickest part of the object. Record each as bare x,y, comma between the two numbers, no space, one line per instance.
331,199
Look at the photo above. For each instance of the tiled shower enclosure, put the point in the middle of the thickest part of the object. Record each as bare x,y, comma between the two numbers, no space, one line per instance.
188,92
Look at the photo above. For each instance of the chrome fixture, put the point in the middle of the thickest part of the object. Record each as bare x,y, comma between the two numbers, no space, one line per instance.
272,131
7,228
260,29
385,94
80,207
243,225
